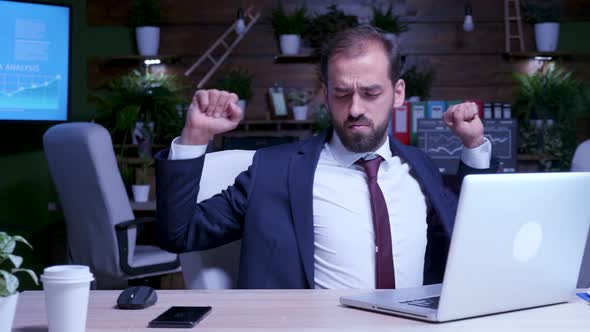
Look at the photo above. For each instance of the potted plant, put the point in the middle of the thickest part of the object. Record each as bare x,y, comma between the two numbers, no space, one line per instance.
321,118
9,282
289,27
544,14
418,84
139,103
238,81
547,103
145,17
388,22
299,100
323,26
141,189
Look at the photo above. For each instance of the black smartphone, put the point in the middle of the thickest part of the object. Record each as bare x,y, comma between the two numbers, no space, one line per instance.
182,317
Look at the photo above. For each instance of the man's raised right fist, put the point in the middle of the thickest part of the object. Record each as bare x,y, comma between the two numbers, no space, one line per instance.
211,112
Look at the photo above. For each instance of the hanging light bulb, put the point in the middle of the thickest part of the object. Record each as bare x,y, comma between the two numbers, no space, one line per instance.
468,22
240,24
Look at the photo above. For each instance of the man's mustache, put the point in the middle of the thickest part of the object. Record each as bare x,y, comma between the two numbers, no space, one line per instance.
360,120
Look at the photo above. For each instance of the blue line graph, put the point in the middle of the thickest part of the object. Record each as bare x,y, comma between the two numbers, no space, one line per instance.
448,151
498,140
444,147
29,91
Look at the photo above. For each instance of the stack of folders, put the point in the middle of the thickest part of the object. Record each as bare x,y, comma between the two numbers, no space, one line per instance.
404,123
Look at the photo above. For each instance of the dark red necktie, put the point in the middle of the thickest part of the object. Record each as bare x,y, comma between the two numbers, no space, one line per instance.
384,276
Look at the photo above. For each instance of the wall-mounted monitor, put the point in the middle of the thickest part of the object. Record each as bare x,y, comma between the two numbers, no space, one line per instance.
34,61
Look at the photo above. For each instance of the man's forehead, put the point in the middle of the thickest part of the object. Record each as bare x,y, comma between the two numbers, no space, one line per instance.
366,70
348,86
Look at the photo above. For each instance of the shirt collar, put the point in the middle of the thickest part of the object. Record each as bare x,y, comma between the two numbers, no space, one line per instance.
346,158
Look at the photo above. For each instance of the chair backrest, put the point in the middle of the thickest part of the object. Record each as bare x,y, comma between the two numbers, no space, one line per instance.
216,268
581,163
92,196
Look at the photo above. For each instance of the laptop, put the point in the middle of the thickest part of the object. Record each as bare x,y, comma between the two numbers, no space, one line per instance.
517,243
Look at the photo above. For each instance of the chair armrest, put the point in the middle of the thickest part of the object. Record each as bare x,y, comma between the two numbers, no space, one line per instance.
132,223
122,241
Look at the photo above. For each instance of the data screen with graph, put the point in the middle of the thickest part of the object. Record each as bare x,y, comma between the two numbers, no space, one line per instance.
34,61
439,142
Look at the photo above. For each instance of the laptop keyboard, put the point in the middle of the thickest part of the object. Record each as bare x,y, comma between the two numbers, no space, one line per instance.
429,302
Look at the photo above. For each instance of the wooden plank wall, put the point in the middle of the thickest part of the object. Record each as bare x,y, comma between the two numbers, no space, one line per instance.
467,65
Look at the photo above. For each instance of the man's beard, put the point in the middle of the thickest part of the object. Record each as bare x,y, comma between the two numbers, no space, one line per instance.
359,142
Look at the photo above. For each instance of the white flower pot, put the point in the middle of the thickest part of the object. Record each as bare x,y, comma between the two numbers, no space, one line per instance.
148,40
140,192
242,103
300,112
7,311
546,36
290,44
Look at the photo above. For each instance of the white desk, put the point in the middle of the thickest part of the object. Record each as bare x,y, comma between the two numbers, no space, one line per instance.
291,310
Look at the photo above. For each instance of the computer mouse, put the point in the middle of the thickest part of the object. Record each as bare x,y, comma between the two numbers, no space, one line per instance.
137,297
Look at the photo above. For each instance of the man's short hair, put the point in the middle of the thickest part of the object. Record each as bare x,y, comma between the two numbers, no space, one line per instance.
354,42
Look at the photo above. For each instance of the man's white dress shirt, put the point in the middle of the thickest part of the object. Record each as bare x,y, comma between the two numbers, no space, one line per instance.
344,241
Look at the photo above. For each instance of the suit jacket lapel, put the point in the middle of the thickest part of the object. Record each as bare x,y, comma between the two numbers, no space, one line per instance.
301,175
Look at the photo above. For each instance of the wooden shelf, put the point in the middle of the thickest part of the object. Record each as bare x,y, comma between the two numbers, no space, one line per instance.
131,160
274,125
308,58
298,58
126,59
534,55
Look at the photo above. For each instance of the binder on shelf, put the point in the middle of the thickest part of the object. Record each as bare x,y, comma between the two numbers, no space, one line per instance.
436,108
497,110
487,111
401,123
507,111
417,112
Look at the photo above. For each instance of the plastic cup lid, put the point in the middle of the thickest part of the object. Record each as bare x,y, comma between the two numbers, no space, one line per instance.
67,273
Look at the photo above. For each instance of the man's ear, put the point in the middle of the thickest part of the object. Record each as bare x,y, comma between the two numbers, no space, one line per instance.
399,93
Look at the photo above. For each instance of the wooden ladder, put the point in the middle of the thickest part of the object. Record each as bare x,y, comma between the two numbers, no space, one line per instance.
226,45
508,20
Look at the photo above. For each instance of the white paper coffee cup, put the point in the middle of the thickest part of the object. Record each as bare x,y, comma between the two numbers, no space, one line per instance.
66,290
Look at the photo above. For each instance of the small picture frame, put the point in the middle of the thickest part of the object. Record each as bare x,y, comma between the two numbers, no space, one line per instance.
278,103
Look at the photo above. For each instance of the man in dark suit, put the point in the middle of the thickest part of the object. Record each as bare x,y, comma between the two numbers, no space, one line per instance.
348,208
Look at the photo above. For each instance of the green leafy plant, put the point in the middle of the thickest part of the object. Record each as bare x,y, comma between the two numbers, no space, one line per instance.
540,11
549,94
145,13
321,118
9,282
299,97
238,81
323,26
127,175
418,83
294,23
387,21
547,104
137,97
142,173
